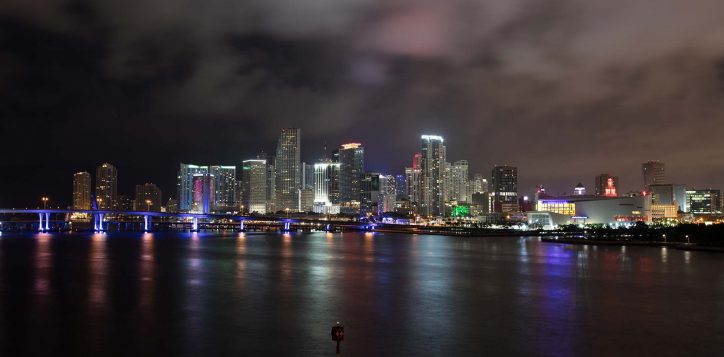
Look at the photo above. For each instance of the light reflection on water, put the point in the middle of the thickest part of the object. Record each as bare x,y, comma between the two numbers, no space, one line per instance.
211,294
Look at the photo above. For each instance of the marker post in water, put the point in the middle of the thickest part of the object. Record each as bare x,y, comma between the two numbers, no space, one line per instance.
338,334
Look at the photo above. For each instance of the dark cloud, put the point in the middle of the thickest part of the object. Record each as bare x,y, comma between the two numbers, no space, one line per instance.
564,89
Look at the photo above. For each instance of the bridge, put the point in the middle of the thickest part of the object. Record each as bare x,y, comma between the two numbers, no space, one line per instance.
101,218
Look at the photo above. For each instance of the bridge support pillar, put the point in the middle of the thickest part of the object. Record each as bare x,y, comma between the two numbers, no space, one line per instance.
195,225
100,222
146,223
241,225
47,221
40,224
287,226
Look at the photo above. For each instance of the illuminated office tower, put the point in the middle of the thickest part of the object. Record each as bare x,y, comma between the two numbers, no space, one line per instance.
106,186
504,190
326,187
307,175
432,174
203,193
606,185
479,184
82,191
147,198
388,193
351,171
370,193
459,181
669,194
401,186
654,173
185,184
703,202
254,178
224,188
412,178
288,169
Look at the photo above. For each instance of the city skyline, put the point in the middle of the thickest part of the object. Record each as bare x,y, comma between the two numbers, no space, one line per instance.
126,189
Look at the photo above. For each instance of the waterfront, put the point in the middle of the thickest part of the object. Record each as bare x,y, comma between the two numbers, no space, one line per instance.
402,295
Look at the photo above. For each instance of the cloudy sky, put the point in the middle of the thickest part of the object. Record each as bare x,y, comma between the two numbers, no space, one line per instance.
562,89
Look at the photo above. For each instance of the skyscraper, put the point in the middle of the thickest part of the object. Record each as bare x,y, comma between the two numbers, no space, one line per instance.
351,159
203,193
185,184
326,187
82,191
106,186
388,193
254,177
654,173
412,178
459,181
147,198
504,193
288,170
432,172
224,188
607,185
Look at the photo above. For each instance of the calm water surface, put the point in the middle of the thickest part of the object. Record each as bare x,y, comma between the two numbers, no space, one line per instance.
397,295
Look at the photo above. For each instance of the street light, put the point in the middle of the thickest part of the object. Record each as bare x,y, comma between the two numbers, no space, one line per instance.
148,205
45,202
100,202
287,210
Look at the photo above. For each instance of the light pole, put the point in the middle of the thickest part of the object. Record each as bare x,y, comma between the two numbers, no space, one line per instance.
287,210
148,205
100,202
45,202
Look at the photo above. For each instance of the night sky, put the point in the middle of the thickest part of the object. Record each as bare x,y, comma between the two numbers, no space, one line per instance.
562,89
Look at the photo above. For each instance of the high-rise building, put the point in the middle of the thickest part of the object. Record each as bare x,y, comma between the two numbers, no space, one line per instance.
224,188
203,193
82,191
254,178
123,203
579,190
654,173
370,193
288,169
185,184
413,180
271,188
147,198
106,186
307,175
432,172
388,194
460,181
351,171
479,183
607,185
702,202
504,193
669,194
326,187
401,187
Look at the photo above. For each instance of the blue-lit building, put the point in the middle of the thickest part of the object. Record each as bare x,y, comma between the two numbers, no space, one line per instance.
185,184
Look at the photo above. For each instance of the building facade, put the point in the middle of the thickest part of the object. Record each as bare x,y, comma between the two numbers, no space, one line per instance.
82,191
351,160
504,190
254,183
147,198
106,186
288,169
185,184
432,175
606,185
654,173
225,188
